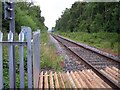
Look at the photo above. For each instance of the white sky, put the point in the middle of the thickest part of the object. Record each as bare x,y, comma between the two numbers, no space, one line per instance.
52,9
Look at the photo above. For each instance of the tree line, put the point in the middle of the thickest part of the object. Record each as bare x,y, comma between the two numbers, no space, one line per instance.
26,14
90,17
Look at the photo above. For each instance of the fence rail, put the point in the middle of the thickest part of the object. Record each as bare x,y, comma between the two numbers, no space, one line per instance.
24,40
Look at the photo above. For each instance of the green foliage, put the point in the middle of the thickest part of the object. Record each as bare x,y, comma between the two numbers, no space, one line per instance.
49,59
102,40
29,15
6,69
26,14
90,17
24,20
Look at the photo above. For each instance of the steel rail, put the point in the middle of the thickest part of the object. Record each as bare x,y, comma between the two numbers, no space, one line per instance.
112,83
118,61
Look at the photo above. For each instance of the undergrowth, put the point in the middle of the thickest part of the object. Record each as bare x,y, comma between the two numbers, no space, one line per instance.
103,40
49,60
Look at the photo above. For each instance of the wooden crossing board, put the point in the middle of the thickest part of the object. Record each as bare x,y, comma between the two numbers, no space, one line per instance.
79,79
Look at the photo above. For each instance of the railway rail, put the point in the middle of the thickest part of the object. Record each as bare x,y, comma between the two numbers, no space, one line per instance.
71,80
105,67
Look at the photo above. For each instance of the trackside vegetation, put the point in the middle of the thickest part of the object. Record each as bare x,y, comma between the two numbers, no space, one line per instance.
93,23
106,41
90,17
28,14
50,60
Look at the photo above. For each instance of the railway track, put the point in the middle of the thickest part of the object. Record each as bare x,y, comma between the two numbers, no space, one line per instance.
105,67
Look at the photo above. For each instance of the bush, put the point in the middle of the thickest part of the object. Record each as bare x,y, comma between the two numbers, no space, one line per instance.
102,40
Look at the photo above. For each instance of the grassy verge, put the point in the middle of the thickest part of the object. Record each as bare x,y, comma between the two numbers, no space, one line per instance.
49,58
6,67
103,40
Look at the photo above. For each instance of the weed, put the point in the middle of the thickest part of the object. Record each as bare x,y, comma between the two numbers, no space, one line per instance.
49,58
102,40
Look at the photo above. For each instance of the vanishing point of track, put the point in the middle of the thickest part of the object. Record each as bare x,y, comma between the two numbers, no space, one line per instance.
105,67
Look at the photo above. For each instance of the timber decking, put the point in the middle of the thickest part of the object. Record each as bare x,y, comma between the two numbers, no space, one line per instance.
79,79
112,73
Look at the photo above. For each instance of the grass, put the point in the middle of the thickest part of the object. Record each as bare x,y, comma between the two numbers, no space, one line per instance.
103,40
49,60
6,67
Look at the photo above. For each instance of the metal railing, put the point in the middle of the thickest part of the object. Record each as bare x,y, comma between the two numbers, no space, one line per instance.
33,50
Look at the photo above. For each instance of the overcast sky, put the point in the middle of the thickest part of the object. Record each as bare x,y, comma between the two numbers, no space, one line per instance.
52,9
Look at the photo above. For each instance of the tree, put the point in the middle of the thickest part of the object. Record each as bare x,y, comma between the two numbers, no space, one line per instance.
90,17
27,14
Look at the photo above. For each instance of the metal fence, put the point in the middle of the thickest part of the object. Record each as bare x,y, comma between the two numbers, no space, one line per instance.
33,57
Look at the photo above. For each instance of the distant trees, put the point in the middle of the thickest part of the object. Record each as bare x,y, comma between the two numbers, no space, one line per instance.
27,14
90,17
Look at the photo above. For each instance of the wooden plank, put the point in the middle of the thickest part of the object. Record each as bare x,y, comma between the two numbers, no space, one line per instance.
41,80
103,71
62,85
72,83
10,60
51,81
36,57
116,72
1,62
21,60
116,75
96,81
112,73
116,69
94,85
46,81
82,83
112,70
77,84
56,81
68,81
89,85
100,80
65,79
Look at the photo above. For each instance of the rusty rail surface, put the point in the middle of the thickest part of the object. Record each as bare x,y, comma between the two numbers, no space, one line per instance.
100,73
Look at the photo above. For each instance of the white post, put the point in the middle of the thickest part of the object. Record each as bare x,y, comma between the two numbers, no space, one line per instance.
10,60
21,59
27,33
36,57
1,63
